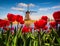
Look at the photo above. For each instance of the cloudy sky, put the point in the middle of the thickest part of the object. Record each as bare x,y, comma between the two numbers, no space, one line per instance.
42,7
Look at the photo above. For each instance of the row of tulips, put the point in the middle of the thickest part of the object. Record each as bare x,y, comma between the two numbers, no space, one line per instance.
39,35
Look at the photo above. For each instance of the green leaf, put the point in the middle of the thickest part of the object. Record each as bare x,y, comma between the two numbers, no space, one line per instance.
58,39
47,44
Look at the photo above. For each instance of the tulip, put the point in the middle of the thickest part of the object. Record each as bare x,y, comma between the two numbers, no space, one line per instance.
26,29
11,17
45,28
22,22
44,18
56,15
19,18
53,24
40,24
4,23
0,22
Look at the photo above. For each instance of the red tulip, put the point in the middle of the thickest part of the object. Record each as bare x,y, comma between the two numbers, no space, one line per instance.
36,24
53,24
1,22
56,15
26,29
22,22
38,29
19,18
45,28
58,22
11,17
40,24
4,23
44,18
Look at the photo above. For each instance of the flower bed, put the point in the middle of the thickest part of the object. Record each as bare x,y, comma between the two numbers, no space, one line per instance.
25,35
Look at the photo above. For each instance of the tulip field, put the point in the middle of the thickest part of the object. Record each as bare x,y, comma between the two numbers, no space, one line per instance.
41,33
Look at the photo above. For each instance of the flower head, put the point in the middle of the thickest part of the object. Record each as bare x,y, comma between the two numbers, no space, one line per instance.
11,17
4,23
56,15
20,19
26,29
44,18
53,24
40,24
45,28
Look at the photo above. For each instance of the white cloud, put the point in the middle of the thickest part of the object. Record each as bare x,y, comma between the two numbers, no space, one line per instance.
22,4
31,4
25,5
44,9
53,7
15,8
56,7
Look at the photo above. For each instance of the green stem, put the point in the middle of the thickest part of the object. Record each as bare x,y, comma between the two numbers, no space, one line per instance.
7,44
24,43
39,39
30,43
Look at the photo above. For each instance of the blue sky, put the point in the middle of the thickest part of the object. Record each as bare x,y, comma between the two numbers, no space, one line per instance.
43,7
